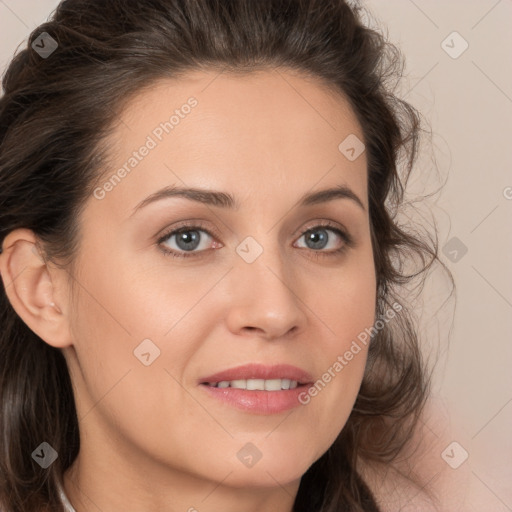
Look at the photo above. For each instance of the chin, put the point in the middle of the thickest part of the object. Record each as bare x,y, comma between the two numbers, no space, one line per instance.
277,465
267,475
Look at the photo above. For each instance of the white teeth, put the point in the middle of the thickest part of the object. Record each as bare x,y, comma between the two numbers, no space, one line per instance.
257,384
273,385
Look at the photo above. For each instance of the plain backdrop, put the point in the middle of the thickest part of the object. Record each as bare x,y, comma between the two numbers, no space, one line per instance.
458,75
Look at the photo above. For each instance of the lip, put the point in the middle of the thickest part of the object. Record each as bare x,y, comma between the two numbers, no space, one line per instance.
260,371
258,401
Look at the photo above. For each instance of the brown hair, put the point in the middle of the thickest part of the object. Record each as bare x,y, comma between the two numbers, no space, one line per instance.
55,114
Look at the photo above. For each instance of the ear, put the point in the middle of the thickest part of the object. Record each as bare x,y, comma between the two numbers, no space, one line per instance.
34,289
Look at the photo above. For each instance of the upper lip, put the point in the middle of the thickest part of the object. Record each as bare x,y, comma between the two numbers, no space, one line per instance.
260,371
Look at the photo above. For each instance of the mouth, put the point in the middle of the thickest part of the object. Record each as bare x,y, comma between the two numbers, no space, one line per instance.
258,389
256,384
261,377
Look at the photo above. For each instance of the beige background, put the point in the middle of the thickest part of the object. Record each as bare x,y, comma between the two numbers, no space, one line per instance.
468,102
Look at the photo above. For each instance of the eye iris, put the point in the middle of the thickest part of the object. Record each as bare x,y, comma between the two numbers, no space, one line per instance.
188,240
185,239
318,241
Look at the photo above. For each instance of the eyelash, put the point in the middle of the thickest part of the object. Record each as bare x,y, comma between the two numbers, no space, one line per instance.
197,226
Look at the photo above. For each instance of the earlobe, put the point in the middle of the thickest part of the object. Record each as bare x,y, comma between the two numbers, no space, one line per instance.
31,287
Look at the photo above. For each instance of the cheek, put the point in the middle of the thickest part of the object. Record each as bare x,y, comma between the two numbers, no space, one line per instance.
346,303
346,308
115,316
126,299
128,315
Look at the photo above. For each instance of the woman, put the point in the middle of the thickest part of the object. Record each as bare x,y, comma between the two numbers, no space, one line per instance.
269,363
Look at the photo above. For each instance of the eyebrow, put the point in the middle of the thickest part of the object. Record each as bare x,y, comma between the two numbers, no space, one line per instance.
226,200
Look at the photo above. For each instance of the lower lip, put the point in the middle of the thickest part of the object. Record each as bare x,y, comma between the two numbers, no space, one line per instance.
257,401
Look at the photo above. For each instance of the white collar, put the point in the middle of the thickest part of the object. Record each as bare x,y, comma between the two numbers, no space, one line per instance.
64,499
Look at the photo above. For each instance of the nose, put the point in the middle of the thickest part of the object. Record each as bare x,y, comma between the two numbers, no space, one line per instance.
265,298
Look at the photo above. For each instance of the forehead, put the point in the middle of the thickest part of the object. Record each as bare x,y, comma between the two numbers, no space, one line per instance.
258,135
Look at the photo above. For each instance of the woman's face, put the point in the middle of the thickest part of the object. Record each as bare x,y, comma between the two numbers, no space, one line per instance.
248,284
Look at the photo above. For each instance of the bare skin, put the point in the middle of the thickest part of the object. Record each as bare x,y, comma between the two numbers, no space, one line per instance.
150,435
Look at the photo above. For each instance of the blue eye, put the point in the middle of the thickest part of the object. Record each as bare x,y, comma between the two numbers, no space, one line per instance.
318,237
192,240
187,240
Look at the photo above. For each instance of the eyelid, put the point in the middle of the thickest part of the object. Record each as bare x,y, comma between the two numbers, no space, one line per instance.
325,223
198,225
187,224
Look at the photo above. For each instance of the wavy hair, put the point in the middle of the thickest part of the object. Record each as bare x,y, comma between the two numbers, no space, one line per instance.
55,115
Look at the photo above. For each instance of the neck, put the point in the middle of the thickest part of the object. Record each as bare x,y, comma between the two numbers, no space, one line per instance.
98,484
